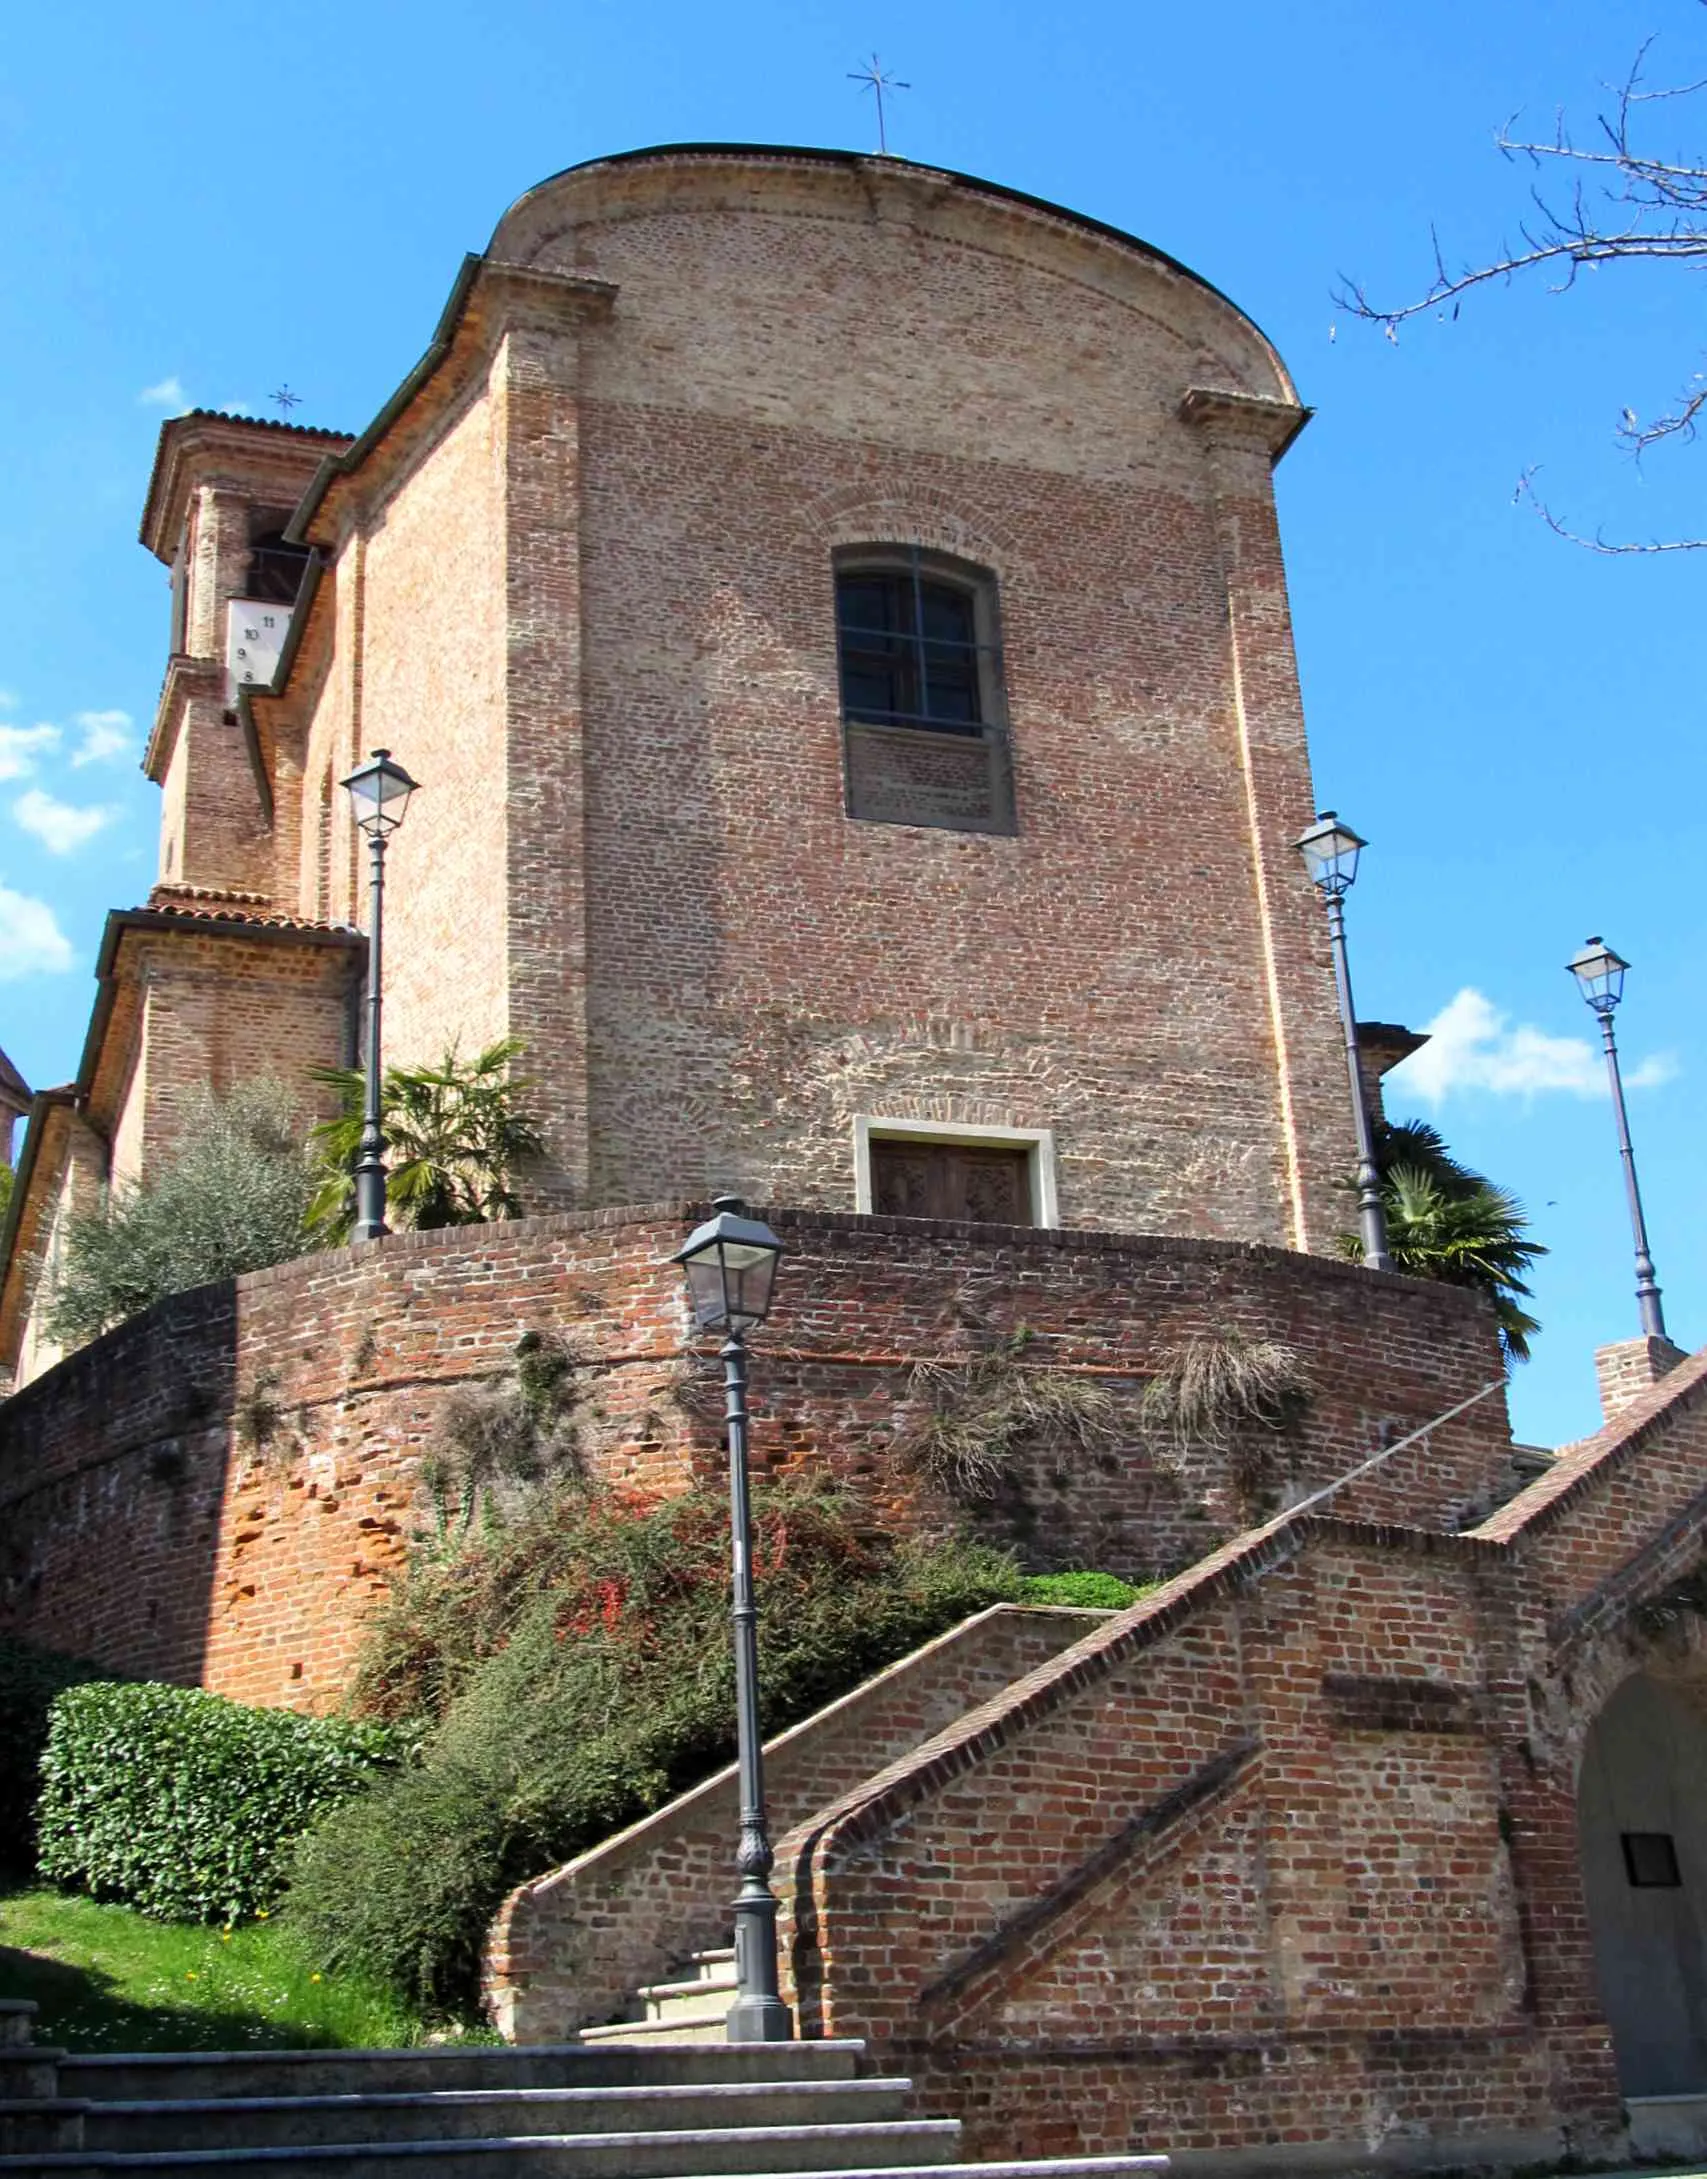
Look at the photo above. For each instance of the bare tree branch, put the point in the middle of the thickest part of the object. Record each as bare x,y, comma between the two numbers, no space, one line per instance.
1614,548
1626,200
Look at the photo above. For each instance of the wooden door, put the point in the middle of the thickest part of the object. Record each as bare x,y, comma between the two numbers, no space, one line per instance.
963,1181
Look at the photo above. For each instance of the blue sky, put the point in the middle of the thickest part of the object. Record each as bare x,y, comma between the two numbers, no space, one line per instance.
201,204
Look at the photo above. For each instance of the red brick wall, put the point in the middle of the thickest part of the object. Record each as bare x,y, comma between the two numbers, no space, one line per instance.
431,689
1233,1871
584,588
568,1951
1285,1854
264,1556
1156,995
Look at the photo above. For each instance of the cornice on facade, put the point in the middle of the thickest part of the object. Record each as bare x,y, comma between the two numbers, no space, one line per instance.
479,308
206,447
881,178
1223,412
186,679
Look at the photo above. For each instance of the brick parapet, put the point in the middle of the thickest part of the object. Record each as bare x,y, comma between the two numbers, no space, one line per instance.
1413,1795
1631,1367
356,1350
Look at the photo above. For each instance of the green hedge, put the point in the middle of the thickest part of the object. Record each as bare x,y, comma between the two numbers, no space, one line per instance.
1089,1592
184,1804
30,1678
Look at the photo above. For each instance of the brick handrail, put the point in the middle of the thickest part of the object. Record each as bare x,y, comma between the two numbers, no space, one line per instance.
827,1940
569,1948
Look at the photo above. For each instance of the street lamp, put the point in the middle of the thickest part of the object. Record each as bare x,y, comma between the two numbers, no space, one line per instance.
730,1265
1330,851
1600,978
379,792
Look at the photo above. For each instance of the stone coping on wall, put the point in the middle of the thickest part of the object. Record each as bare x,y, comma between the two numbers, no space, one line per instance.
852,1225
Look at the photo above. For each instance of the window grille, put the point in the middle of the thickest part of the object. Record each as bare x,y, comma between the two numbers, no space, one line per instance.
275,571
924,728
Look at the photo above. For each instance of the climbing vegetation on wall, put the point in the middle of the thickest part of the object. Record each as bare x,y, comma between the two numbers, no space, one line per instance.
970,1423
1235,1397
568,1665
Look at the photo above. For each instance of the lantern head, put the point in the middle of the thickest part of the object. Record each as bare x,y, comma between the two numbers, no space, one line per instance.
730,1265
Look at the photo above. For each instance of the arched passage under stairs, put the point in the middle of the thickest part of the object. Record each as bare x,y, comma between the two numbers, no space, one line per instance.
1642,1830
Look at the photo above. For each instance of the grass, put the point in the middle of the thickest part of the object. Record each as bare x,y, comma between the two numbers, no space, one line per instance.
108,1978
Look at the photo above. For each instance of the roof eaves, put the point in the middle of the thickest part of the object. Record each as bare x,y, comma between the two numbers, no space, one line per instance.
176,429
352,456
218,921
12,1081
42,1104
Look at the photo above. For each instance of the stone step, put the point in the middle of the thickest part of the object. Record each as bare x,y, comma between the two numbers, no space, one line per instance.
687,2153
194,2076
667,2034
17,2019
41,2122
1666,2129
303,2121
29,2071
1062,2167
688,2001
701,1989
316,2165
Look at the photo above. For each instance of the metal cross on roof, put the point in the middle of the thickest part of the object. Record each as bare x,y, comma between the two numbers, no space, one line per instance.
284,400
874,79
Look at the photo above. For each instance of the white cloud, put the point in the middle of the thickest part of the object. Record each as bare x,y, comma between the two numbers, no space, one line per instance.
1474,1046
106,734
169,394
21,745
31,942
61,827
8,699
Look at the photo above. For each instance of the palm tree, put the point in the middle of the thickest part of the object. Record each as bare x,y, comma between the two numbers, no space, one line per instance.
455,1135
1448,1222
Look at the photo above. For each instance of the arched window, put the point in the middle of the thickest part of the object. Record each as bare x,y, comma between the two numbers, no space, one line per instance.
919,658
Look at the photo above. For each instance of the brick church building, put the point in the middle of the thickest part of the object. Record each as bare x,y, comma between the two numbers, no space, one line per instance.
834,611
835,614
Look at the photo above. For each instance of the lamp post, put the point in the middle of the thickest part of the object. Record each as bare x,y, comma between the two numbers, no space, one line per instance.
1600,978
379,792
1330,851
730,1264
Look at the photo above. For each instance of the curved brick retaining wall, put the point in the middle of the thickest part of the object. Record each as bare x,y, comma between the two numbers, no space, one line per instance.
218,1490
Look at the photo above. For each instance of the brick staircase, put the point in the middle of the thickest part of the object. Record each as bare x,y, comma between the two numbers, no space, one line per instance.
658,2109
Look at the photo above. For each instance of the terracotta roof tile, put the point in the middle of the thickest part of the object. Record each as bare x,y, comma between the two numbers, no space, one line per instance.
218,904
273,423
